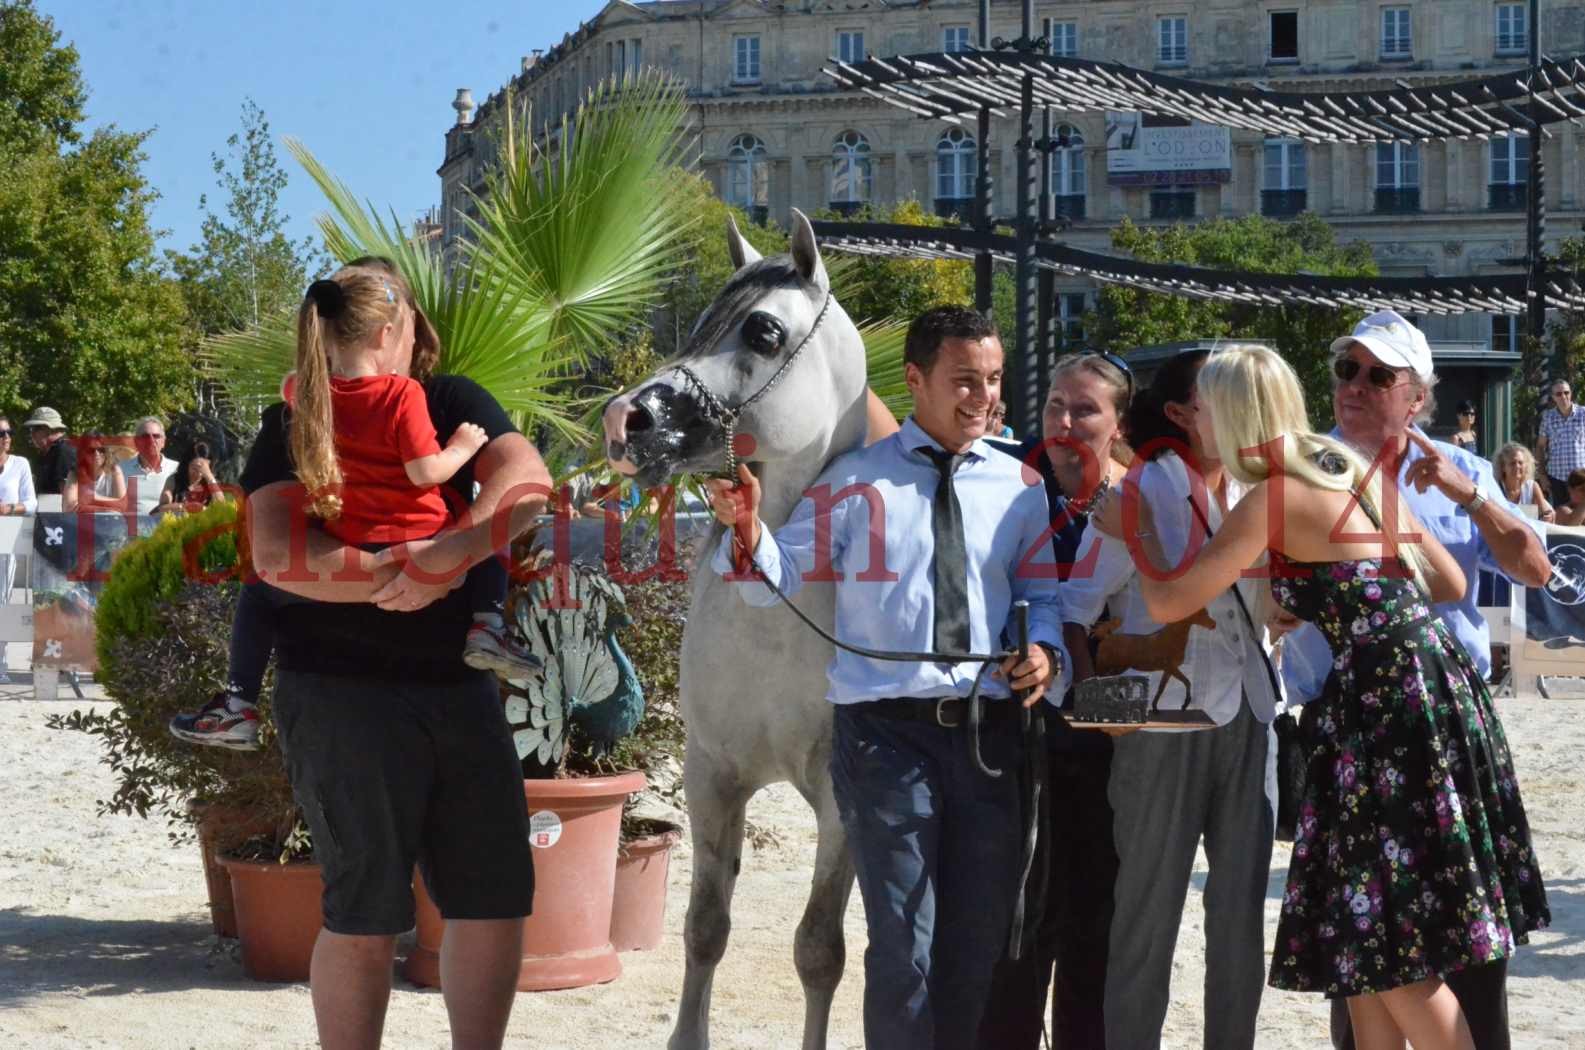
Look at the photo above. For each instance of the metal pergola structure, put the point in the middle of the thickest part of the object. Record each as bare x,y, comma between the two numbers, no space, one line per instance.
1017,77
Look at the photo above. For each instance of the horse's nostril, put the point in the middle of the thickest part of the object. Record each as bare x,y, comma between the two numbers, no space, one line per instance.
638,418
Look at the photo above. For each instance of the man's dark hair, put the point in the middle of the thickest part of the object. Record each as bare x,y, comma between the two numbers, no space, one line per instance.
933,327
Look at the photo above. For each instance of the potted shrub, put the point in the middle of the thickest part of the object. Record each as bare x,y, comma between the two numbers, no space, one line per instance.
163,627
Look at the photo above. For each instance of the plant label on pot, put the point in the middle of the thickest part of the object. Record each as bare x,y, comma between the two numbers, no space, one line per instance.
544,829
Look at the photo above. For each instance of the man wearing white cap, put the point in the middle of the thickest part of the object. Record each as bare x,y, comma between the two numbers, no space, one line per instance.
1383,379
58,460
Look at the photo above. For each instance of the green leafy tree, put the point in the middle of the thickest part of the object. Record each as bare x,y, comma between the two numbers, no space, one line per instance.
88,323
244,268
1125,317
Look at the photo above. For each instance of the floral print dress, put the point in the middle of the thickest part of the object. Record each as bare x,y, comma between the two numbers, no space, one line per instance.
1412,855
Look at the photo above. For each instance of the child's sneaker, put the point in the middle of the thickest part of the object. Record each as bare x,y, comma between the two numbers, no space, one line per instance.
492,648
225,721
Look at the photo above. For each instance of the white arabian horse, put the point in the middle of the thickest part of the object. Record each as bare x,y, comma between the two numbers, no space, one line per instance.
777,360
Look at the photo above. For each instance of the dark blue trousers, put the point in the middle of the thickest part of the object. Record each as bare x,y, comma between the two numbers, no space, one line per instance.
936,844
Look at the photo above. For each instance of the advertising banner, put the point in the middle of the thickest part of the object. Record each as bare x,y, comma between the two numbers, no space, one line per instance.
71,560
1150,150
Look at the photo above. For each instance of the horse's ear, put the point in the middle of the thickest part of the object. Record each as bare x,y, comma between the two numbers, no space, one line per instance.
738,247
805,253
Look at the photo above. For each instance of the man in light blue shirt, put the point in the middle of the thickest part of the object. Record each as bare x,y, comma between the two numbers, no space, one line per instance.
1382,387
936,843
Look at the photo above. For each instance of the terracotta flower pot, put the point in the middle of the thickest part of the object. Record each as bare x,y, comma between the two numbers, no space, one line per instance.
278,916
219,828
574,826
638,906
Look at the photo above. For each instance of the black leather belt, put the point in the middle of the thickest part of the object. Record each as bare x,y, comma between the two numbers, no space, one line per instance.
948,712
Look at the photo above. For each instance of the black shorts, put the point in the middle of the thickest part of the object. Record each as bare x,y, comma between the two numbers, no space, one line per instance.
390,774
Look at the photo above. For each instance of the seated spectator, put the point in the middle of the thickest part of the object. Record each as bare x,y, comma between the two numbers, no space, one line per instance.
100,485
192,486
1573,512
58,459
148,472
1515,470
1465,437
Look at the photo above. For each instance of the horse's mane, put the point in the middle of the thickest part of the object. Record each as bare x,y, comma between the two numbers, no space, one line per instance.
739,298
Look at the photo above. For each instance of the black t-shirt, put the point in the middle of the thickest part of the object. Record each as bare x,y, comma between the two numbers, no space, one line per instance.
355,638
55,468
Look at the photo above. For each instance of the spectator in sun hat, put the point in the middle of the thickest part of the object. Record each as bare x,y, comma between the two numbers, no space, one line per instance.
57,459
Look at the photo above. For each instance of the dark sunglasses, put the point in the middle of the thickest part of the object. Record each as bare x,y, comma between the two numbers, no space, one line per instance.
1381,377
150,437
5,433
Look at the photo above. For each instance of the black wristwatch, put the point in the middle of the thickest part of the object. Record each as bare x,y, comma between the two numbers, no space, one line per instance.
1055,656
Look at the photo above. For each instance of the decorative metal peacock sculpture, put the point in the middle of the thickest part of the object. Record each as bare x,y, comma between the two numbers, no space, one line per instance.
589,681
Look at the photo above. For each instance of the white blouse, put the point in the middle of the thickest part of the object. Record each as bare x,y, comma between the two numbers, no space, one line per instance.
16,483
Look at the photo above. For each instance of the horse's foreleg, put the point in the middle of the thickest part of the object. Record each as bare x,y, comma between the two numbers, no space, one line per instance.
818,948
716,805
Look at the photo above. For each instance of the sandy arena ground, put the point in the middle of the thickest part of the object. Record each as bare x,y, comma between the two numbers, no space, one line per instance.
105,939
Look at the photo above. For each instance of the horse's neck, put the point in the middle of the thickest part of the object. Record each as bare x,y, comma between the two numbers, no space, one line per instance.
782,483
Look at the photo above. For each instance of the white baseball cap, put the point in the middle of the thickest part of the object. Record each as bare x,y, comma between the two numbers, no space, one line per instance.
1393,340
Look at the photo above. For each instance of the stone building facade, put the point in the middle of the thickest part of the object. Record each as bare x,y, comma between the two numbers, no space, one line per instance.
775,133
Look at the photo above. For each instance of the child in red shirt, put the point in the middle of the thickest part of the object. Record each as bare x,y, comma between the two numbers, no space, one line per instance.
366,451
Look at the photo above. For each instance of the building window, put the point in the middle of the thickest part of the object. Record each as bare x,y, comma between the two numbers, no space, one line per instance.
635,52
1508,187
955,38
1282,193
850,45
745,59
1067,172
1172,202
1395,41
620,69
1505,332
1070,320
748,177
852,172
954,172
1513,37
1397,177
610,59
1172,40
1062,38
1284,43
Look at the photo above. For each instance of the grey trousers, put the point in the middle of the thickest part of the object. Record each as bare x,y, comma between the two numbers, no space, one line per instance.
1166,791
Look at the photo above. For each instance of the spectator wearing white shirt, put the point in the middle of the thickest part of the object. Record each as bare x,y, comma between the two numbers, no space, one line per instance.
1168,789
16,498
150,469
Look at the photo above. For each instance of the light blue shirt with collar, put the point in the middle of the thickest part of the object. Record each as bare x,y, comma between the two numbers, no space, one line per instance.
1306,657
1009,558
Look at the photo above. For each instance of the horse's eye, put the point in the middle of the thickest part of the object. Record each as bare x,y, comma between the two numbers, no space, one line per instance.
764,333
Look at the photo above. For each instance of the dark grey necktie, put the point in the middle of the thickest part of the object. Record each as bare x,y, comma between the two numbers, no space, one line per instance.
951,557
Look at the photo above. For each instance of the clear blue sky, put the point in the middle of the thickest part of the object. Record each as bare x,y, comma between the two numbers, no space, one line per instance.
366,85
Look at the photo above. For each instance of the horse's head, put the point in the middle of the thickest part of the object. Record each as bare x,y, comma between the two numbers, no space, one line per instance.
771,361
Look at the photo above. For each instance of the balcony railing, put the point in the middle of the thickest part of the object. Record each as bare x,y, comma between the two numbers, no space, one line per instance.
1398,201
1282,204
1508,196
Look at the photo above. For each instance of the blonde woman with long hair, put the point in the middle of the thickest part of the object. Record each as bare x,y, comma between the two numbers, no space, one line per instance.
1515,470
1412,858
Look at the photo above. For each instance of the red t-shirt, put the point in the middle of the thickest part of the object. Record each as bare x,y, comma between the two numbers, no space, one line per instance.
381,423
